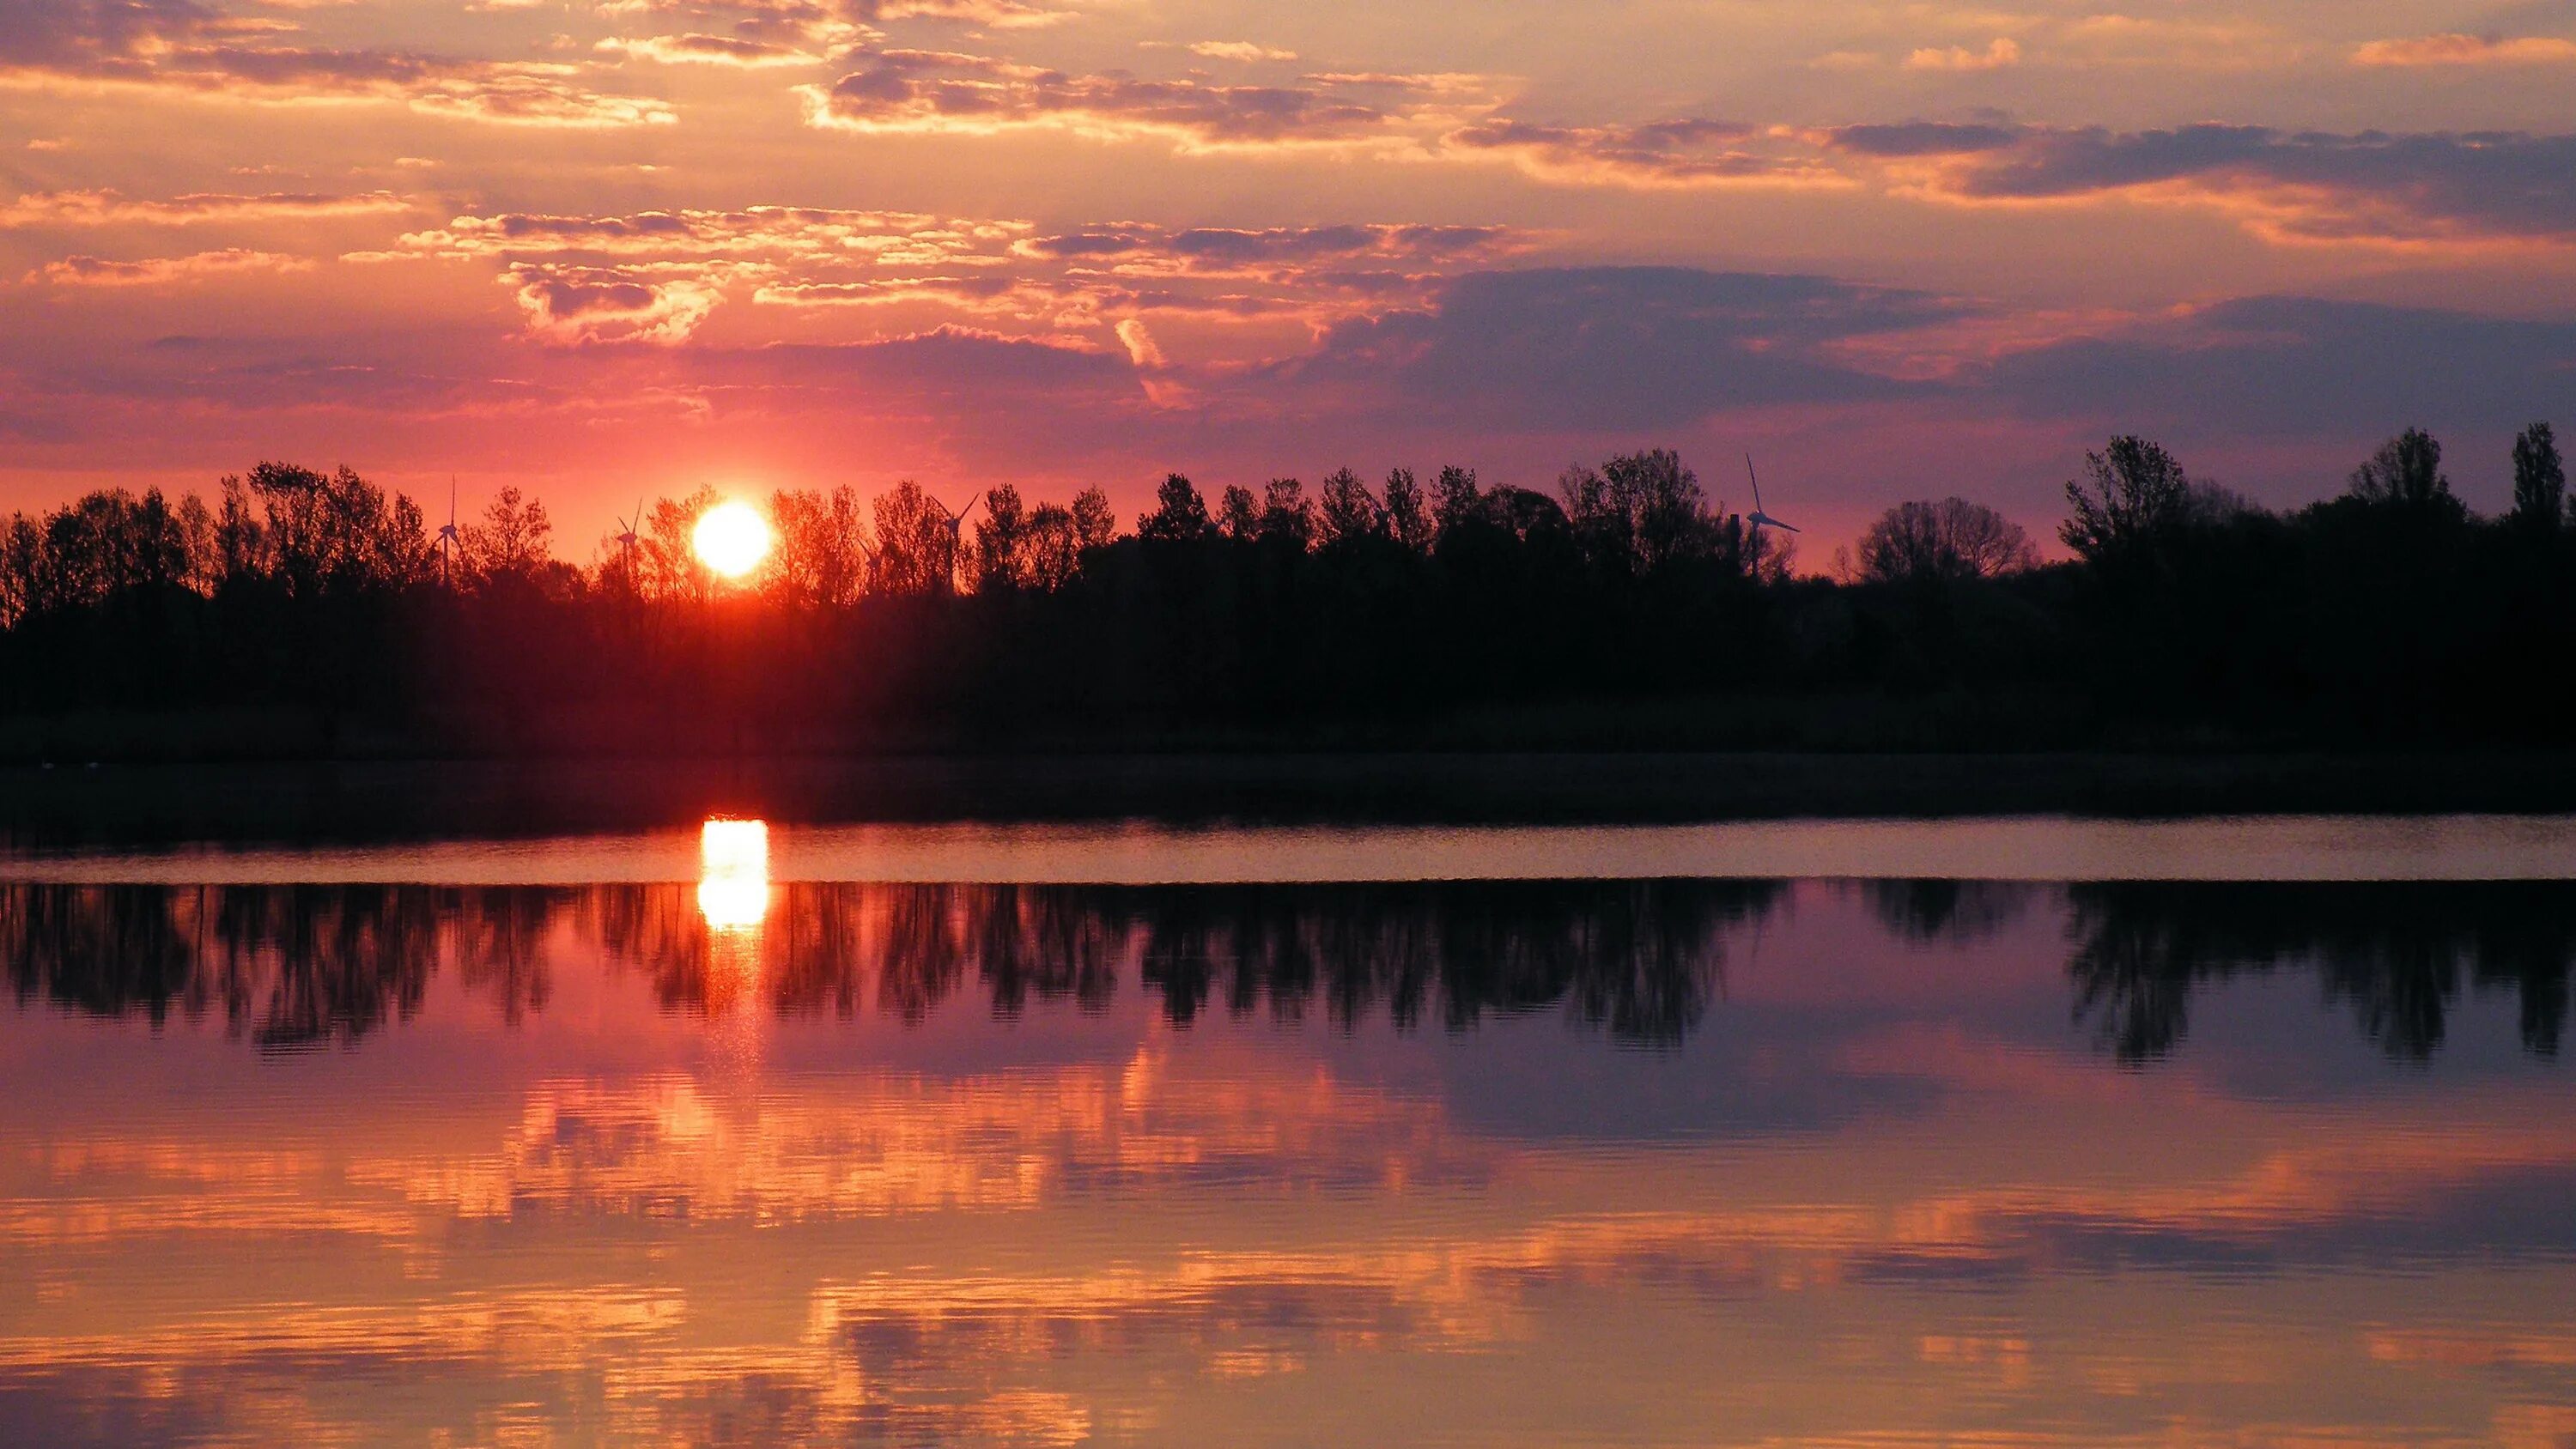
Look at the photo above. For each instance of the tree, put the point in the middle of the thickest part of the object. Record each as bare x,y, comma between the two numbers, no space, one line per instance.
667,556
1455,499
1638,513
2133,495
1002,541
1094,525
1054,553
1347,511
1408,522
822,554
1238,513
337,532
916,548
1949,541
2539,480
1180,515
1287,518
510,540
2406,473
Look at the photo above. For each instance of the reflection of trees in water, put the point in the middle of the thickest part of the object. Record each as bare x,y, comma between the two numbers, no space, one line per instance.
2397,954
290,966
1958,912
300,965
1639,957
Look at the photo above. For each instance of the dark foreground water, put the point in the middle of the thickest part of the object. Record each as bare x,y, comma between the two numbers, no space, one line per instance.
712,1155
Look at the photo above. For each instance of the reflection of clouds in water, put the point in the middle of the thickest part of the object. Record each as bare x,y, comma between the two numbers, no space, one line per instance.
1048,1346
894,1144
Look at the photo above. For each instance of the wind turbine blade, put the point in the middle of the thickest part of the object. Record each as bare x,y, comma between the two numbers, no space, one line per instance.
1756,480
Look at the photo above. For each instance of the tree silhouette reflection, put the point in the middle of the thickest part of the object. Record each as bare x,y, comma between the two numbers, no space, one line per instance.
2397,955
297,967
290,967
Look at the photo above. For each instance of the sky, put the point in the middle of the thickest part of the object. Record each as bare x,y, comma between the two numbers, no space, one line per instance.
603,248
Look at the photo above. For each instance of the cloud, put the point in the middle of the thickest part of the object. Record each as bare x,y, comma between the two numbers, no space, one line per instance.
1921,138
2002,53
1219,248
1622,347
2293,366
109,208
946,92
84,271
888,238
726,50
2374,186
180,45
1073,282
1242,50
1686,152
575,306
2424,50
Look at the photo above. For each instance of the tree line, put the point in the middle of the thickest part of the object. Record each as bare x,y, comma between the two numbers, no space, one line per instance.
1622,607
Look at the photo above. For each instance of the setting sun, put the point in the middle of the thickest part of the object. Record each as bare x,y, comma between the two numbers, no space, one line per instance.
732,539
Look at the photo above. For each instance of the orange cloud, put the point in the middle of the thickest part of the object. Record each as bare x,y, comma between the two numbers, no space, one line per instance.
184,46
574,306
945,92
1689,152
2002,53
1242,50
83,271
2454,49
108,208
710,50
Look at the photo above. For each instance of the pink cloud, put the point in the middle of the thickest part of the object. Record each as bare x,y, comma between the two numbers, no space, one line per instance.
84,271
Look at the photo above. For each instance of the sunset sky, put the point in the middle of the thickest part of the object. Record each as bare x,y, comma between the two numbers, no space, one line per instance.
1893,249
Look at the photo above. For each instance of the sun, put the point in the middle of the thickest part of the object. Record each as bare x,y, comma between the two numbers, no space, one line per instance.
732,538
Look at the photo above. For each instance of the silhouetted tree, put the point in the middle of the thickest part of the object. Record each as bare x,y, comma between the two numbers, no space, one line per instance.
1950,540
1346,512
1094,525
510,540
823,556
667,556
2539,480
1238,514
1455,498
1180,515
1287,518
2133,496
1408,521
915,546
2406,473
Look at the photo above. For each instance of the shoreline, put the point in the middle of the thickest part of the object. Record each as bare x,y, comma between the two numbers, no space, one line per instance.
398,800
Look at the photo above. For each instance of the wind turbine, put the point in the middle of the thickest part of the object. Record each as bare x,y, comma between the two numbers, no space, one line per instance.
448,538
627,540
1759,519
956,521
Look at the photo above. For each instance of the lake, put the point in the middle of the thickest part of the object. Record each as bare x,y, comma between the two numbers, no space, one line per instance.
2030,1132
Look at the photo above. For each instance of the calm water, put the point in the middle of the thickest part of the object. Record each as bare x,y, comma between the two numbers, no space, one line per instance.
1081,1136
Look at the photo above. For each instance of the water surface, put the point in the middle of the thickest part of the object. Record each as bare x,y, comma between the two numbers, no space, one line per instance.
768,1146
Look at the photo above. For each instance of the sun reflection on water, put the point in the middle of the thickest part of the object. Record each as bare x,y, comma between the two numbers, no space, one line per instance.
733,876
